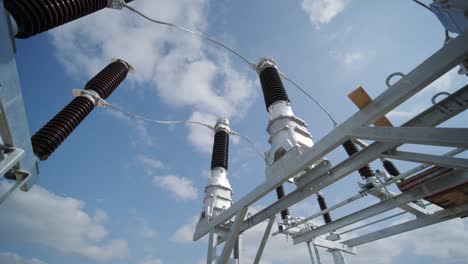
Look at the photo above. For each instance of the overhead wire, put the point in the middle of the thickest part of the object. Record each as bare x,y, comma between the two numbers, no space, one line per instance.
251,64
313,99
226,47
175,122
155,120
257,149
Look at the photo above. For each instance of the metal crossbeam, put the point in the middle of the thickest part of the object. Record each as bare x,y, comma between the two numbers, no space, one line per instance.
425,189
449,137
450,162
437,217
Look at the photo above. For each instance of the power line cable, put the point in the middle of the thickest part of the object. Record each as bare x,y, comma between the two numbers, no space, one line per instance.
257,149
155,120
175,122
226,47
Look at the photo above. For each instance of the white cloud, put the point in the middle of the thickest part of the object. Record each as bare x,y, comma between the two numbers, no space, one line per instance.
323,11
150,260
12,258
57,222
353,57
200,136
100,216
184,71
185,233
146,230
181,188
150,164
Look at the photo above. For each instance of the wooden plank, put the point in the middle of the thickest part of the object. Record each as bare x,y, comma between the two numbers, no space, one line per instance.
361,99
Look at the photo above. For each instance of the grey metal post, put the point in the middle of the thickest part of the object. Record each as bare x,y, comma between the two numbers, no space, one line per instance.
212,242
310,253
264,239
338,257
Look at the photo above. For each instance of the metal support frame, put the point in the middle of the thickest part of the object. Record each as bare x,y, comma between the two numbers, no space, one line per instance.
310,252
440,216
387,140
14,130
448,137
431,187
212,245
232,236
266,234
456,163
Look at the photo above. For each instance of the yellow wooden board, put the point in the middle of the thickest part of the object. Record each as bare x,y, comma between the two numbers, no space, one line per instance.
361,99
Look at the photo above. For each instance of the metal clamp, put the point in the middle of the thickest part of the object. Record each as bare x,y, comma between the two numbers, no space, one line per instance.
116,4
390,77
90,95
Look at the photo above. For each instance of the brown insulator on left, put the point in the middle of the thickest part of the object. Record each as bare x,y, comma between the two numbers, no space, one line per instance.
54,133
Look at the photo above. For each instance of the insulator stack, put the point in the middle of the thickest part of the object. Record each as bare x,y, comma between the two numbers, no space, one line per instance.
54,133
351,148
36,16
220,154
323,206
106,81
280,194
272,86
390,168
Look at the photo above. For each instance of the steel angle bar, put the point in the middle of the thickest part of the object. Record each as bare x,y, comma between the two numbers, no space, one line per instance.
450,162
17,186
373,222
232,236
449,137
266,234
212,243
10,160
333,245
437,217
311,255
425,189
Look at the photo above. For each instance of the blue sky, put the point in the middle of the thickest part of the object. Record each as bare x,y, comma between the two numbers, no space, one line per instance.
121,191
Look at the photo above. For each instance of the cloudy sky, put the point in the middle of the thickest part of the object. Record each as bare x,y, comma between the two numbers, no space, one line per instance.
121,191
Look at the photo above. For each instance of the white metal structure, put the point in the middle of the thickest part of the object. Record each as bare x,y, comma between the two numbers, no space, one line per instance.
385,141
17,160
